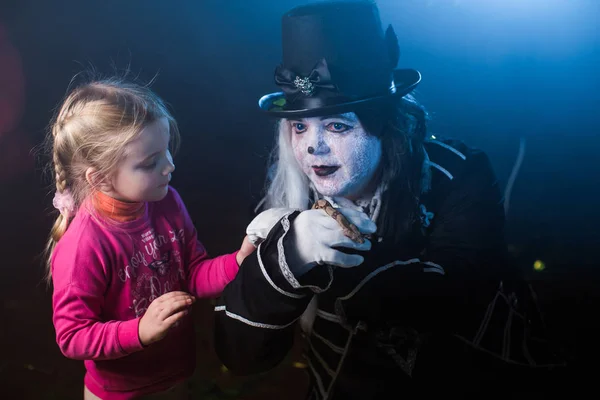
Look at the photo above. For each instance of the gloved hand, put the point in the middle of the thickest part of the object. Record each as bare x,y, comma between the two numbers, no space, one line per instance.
314,234
261,225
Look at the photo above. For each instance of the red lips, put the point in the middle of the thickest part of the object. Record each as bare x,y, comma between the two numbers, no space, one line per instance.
324,170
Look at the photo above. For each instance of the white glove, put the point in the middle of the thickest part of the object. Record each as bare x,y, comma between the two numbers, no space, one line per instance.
261,225
314,235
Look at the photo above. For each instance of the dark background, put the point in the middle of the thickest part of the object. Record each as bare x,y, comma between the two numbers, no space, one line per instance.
493,72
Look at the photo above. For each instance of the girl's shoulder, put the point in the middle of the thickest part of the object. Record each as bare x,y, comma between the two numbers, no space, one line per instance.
83,231
83,250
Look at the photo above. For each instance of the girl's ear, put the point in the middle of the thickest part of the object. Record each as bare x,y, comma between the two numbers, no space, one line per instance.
97,181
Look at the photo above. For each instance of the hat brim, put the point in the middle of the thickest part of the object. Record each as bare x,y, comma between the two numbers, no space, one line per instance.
405,80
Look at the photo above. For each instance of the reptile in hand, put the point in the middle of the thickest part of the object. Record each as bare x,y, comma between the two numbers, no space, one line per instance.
350,230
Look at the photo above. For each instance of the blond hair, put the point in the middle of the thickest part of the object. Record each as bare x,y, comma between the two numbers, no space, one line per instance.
90,130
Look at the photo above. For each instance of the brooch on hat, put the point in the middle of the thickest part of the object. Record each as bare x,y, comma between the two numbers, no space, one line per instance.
304,85
294,85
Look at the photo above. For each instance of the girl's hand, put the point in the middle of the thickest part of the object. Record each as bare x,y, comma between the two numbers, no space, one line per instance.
246,249
162,314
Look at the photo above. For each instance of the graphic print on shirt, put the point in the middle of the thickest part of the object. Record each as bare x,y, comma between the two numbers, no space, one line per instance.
161,266
155,269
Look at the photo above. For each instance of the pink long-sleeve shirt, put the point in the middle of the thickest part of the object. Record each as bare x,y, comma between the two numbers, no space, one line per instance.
105,275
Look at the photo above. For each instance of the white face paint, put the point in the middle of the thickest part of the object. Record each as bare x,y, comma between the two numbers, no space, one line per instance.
345,157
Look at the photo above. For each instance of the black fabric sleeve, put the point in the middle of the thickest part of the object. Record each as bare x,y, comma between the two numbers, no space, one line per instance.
256,315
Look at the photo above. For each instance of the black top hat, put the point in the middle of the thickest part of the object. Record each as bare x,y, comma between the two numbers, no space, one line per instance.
336,58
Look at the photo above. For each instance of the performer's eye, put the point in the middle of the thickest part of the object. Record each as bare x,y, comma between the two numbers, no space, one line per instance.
299,127
338,127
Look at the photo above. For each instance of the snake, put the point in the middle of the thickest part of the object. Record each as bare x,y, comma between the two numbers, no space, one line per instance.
349,229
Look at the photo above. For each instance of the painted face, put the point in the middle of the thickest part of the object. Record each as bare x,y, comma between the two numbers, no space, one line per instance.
145,172
336,154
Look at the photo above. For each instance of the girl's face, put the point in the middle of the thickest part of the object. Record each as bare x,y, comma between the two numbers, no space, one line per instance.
336,154
145,172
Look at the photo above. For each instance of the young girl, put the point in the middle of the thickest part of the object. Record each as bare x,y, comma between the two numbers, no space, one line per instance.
125,260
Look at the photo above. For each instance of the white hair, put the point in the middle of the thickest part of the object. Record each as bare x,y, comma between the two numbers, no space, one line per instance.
287,186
